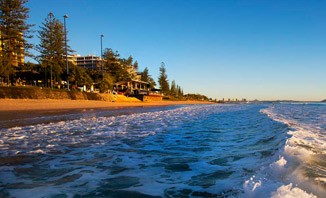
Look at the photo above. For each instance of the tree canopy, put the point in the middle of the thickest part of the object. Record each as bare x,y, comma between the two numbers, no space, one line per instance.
163,80
52,46
79,77
106,83
114,67
147,78
14,32
145,75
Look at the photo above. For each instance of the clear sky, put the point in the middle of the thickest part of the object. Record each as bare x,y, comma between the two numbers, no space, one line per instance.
255,49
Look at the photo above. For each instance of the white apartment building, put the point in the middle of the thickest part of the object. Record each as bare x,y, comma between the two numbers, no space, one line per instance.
90,62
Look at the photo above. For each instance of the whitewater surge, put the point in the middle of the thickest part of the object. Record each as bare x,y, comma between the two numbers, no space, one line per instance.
236,150
300,169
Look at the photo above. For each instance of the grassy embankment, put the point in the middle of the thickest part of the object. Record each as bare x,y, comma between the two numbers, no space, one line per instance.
47,93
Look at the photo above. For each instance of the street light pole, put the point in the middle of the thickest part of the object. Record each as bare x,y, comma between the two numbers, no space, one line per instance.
66,16
102,35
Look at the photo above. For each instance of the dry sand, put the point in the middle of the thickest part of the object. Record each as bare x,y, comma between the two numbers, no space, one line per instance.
23,104
18,112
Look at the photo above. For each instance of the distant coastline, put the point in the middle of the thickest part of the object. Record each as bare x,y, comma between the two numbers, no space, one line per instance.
294,101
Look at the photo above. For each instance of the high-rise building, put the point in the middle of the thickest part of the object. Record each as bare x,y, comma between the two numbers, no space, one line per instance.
18,56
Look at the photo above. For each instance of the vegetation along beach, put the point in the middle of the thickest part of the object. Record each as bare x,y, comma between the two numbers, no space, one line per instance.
144,99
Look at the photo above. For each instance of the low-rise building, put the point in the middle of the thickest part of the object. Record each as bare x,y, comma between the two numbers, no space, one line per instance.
90,62
72,58
138,89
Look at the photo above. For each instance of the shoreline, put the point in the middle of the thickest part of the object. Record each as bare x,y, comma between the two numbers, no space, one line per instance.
22,112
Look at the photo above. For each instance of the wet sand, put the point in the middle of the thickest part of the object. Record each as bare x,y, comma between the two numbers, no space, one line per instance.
19,112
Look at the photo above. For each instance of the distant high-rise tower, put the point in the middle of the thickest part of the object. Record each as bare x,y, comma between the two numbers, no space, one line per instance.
18,56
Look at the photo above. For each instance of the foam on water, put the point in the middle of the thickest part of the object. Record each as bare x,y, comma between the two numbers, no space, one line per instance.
300,170
197,151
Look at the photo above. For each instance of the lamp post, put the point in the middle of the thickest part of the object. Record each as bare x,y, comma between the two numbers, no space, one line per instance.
66,16
102,35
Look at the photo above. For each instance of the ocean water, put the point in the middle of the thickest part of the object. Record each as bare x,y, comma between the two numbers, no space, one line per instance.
222,150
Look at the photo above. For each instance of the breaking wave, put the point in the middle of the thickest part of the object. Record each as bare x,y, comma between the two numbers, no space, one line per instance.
299,169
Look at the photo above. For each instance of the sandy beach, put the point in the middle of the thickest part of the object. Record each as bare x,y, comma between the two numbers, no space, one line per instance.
32,105
17,112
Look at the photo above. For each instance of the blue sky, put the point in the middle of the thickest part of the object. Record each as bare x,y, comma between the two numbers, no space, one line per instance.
224,49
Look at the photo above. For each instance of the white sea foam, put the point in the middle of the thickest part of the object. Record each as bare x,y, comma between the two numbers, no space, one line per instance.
287,191
225,146
37,151
297,164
